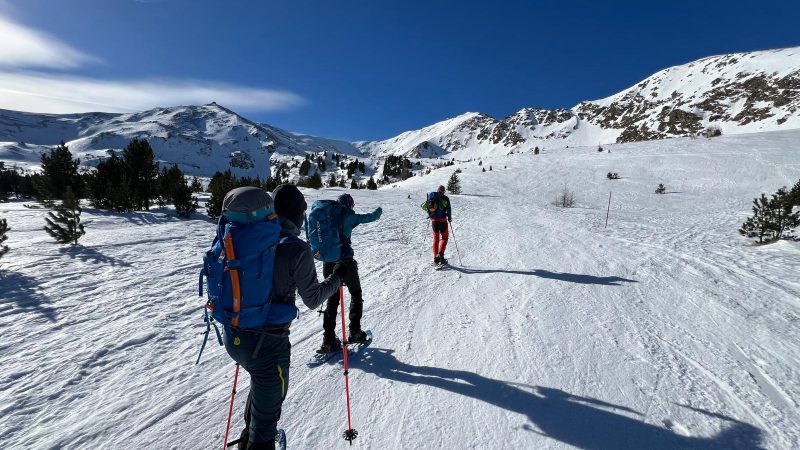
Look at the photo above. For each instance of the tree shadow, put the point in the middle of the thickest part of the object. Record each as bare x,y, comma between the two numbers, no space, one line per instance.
136,217
91,255
581,422
560,276
20,294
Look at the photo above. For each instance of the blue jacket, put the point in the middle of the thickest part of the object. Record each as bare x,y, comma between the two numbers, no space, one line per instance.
351,220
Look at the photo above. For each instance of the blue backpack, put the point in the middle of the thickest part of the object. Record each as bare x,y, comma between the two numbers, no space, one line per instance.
323,230
435,210
239,269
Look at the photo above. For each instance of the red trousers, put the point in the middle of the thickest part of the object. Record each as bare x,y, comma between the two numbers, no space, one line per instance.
439,229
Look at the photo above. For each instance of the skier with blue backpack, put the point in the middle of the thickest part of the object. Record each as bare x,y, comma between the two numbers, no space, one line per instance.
438,207
256,265
329,229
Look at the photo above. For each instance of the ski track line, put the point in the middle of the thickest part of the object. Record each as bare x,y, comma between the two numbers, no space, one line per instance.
767,385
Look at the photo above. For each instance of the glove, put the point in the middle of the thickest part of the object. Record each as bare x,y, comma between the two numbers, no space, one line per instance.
379,211
340,270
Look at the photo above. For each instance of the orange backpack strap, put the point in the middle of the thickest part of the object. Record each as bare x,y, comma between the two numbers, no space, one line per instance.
230,255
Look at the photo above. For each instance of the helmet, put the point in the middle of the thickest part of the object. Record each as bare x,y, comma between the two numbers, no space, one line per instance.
247,204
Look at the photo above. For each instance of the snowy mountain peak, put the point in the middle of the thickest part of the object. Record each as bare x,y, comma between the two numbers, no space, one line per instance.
739,93
200,139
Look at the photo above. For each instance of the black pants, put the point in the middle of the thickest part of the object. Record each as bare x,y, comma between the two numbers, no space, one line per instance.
268,366
356,302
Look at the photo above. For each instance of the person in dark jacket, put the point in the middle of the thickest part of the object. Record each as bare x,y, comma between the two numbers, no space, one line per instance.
349,221
265,353
440,217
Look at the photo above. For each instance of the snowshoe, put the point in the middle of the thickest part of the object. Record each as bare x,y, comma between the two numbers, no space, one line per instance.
280,440
330,349
330,346
353,348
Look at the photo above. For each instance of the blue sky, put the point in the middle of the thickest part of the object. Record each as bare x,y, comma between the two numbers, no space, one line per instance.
361,70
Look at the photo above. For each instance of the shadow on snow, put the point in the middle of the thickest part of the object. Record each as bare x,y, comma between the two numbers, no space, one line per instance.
582,422
90,255
22,294
560,276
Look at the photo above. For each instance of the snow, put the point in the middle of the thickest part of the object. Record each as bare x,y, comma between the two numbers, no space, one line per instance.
664,330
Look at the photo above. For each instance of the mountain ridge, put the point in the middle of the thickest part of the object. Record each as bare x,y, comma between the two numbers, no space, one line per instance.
737,93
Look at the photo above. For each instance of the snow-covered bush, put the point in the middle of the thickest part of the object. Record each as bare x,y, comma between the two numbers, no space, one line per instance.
661,189
612,176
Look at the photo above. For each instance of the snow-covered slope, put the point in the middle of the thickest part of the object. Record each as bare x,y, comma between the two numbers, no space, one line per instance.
665,330
739,93
200,139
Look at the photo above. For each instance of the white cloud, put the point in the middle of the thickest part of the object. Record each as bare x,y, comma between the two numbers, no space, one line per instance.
57,94
26,47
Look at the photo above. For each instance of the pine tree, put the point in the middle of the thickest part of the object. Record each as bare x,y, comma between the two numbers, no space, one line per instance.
65,226
59,171
3,230
332,181
371,185
185,203
219,186
353,184
9,179
142,171
196,185
454,184
304,168
794,194
315,181
109,187
170,181
772,218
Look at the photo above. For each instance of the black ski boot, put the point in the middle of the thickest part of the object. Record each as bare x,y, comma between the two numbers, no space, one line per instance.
441,259
356,337
330,345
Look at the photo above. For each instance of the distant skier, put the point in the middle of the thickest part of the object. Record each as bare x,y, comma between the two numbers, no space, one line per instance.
438,207
264,350
344,219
